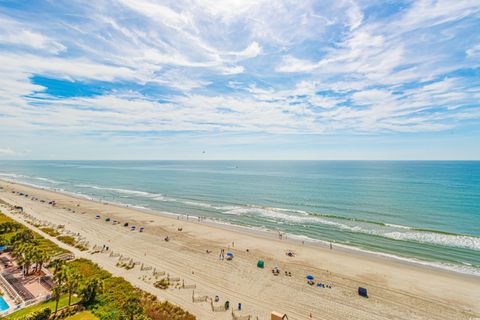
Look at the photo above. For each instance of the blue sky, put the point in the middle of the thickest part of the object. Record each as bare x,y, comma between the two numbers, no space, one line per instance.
239,79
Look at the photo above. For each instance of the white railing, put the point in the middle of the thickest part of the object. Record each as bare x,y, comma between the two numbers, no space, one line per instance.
25,304
9,289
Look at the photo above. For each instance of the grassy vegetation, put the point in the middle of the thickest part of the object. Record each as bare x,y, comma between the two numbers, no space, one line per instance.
119,299
42,244
104,296
48,304
50,231
84,315
67,240
72,242
162,284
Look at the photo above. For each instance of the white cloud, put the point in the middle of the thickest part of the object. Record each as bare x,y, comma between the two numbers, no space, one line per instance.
14,33
355,16
473,52
229,59
253,50
7,152
292,64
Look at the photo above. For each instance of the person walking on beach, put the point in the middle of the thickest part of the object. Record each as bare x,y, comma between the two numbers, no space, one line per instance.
222,254
331,247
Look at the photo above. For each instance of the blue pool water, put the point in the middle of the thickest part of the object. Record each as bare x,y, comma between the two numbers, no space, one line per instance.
423,210
3,305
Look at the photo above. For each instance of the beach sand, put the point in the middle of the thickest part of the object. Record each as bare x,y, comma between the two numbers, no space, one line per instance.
397,290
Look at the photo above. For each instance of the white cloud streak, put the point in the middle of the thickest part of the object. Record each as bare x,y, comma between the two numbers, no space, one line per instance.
225,66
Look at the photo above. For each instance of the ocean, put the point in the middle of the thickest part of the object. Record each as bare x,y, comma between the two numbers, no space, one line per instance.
427,212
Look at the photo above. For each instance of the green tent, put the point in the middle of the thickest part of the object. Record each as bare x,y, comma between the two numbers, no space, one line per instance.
260,264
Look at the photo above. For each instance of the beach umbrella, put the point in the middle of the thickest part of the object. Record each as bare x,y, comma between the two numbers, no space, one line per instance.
310,277
229,254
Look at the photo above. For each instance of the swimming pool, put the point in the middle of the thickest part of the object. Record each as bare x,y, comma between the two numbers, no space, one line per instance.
2,248
3,305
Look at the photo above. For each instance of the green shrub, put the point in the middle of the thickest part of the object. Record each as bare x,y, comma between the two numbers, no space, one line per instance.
42,314
118,299
67,240
50,231
162,284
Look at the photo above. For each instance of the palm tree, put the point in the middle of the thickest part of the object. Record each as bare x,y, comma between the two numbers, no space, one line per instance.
8,227
23,236
59,279
24,252
72,282
56,264
57,292
89,290
39,258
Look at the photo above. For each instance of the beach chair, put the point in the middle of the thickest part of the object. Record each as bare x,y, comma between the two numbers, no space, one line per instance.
362,292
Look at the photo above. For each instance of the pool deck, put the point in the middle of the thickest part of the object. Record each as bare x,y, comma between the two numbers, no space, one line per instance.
27,289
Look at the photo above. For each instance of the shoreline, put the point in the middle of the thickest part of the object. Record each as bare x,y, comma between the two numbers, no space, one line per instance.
397,288
271,234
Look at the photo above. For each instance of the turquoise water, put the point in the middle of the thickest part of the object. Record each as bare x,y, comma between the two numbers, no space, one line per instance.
429,211
3,305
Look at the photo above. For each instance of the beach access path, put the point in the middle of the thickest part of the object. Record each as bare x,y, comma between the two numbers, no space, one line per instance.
396,290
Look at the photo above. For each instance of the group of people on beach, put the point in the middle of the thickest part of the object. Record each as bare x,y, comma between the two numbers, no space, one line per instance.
222,253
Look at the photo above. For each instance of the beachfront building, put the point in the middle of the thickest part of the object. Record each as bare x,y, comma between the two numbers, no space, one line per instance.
20,290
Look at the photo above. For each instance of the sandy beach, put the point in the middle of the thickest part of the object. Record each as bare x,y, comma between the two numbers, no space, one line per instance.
396,290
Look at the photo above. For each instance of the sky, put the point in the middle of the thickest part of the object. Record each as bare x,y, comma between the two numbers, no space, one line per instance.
239,79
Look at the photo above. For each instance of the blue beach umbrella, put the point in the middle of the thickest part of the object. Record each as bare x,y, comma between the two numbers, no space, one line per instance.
310,278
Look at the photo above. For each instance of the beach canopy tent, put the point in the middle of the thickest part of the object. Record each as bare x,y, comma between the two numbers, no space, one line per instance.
141,229
362,292
133,227
260,264
310,277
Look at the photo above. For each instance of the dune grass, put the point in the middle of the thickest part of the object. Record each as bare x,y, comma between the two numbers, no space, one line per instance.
84,315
